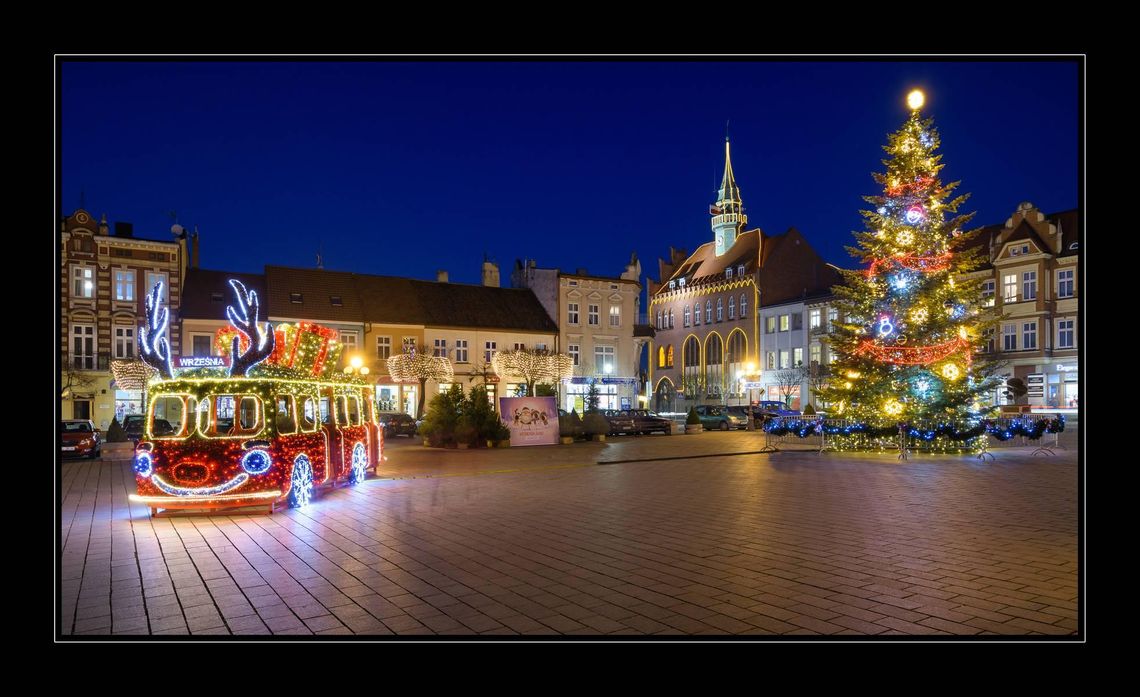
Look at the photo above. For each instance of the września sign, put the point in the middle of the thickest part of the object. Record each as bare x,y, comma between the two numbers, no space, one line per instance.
203,361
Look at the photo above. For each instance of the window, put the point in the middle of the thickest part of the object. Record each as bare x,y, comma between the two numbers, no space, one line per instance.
573,283
326,414
603,359
728,272
1009,337
686,320
785,322
83,281
203,345
743,305
708,312
816,353
285,418
1029,335
122,252
83,346
461,350
309,415
615,315
988,341
660,357
296,298
409,344
489,350
771,360
170,416
540,347
572,313
353,410
681,282
1064,333
659,325
249,414
797,357
341,411
988,293
798,320
124,342
383,347
440,348
732,307
719,310
783,360
1029,285
696,314
672,285
593,314
520,347
1065,283
1009,288
670,318
770,327
669,357
815,318
153,278
832,318
613,286
336,301
575,354
1019,251
740,270
124,284
348,339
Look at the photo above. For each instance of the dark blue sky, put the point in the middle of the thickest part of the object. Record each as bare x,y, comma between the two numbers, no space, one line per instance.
403,168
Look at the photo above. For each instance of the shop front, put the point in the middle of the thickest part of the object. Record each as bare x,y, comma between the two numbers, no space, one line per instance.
1062,386
613,393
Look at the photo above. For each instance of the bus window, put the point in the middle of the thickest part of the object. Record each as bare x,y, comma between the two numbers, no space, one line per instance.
309,415
170,416
223,414
341,412
354,411
203,416
286,415
249,414
325,416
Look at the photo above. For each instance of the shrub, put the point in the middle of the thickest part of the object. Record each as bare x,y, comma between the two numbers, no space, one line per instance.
692,419
116,433
570,426
595,424
442,417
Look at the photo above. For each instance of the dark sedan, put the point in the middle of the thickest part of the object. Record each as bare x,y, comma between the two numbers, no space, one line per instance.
397,425
621,421
646,421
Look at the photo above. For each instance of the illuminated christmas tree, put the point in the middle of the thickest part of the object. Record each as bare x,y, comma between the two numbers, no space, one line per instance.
905,352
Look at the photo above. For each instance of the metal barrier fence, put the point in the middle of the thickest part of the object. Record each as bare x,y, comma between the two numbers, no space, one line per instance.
1040,430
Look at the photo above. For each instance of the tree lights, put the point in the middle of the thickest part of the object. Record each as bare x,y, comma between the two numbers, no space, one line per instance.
916,339
533,366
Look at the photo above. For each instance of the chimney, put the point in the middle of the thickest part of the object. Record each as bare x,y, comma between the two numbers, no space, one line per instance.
124,230
441,276
490,274
194,251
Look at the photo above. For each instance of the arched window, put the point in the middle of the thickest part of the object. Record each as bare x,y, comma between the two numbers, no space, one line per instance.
686,319
659,320
696,313
670,319
743,305
731,307
691,371
660,356
669,357
714,365
735,359
708,312
719,310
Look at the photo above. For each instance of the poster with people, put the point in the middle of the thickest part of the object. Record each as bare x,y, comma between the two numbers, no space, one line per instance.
532,420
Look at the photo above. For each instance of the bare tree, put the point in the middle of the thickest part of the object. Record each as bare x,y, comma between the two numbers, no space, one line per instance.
788,381
74,379
413,366
818,376
533,365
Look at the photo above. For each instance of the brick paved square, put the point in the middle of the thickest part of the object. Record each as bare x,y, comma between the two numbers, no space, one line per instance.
509,543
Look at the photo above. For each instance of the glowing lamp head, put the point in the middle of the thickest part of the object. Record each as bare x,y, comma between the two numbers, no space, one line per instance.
915,100
356,362
364,370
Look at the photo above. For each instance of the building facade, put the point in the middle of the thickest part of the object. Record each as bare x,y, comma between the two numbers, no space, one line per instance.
1031,280
104,280
705,309
596,317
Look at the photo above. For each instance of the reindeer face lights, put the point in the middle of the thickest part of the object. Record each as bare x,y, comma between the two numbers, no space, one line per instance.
154,347
260,342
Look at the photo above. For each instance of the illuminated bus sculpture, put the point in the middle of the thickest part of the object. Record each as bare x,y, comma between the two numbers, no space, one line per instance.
272,426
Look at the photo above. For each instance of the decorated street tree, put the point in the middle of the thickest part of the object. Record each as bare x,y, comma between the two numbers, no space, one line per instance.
905,352
533,365
420,367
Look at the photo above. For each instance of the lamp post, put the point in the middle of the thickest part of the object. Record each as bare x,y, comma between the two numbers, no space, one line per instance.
751,375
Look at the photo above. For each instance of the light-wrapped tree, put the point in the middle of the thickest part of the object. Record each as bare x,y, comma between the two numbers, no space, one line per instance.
533,366
420,367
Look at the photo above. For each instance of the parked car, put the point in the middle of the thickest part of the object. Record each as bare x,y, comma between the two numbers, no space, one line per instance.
715,417
646,421
621,421
397,425
79,438
740,411
766,411
134,425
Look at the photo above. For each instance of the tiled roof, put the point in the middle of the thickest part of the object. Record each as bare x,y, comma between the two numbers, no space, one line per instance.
703,266
206,293
461,305
1070,223
317,291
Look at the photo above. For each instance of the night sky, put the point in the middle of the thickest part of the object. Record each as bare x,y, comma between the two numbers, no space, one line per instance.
404,168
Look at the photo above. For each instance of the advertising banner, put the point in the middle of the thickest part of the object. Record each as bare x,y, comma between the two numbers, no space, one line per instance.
532,420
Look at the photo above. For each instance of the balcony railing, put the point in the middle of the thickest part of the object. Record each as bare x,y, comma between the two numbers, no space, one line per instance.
91,362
